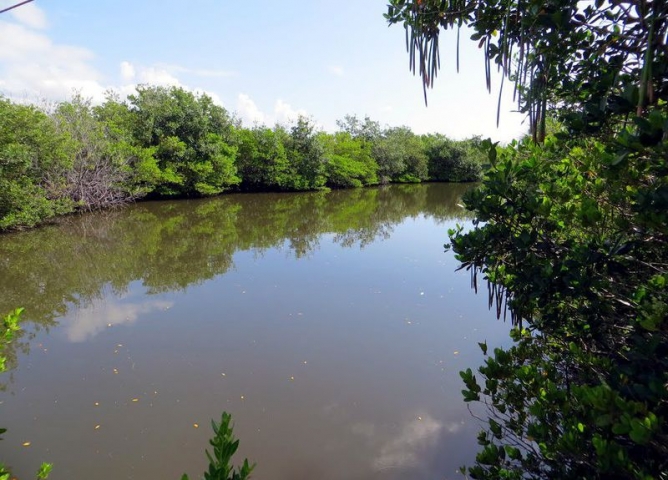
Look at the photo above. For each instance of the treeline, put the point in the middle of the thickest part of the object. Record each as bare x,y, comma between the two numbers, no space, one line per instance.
168,142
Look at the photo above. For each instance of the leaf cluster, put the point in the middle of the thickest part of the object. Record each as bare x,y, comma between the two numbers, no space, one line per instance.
584,60
224,446
572,241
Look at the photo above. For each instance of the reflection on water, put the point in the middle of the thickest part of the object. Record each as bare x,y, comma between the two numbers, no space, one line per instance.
404,449
99,314
331,325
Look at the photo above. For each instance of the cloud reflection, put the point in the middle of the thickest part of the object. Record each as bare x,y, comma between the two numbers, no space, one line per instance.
92,319
404,448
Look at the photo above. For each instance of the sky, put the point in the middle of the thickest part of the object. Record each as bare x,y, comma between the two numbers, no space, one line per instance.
266,60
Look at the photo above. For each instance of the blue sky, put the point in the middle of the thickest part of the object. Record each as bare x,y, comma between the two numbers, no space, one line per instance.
267,61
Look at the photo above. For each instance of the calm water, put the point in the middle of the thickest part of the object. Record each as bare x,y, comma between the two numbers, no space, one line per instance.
332,327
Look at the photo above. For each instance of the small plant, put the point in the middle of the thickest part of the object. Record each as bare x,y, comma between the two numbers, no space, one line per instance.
224,447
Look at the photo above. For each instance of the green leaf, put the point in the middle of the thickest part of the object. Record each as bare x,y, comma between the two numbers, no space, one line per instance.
44,471
619,158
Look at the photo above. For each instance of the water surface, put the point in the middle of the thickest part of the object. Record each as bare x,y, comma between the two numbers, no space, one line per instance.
332,326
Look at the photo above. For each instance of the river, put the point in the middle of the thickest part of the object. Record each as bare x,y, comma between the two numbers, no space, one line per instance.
332,326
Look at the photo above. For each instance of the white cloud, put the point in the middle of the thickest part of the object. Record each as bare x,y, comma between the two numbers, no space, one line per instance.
157,76
284,113
91,320
248,110
251,113
336,70
214,96
30,15
128,72
33,66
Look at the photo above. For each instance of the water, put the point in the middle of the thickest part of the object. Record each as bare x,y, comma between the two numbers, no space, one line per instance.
332,326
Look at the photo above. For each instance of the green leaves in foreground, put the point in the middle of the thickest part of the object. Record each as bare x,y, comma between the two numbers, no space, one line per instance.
573,244
42,473
224,447
10,325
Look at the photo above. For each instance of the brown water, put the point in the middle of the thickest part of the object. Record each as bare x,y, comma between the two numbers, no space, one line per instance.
332,326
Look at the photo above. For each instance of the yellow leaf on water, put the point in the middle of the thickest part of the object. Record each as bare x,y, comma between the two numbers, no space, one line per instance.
456,352
135,399
26,444
97,427
195,425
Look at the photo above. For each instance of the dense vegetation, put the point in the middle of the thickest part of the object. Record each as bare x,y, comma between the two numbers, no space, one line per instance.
168,142
572,231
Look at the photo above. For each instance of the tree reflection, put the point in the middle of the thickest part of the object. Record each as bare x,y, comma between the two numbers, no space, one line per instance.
169,246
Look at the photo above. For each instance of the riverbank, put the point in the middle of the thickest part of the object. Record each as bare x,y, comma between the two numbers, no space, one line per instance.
170,143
